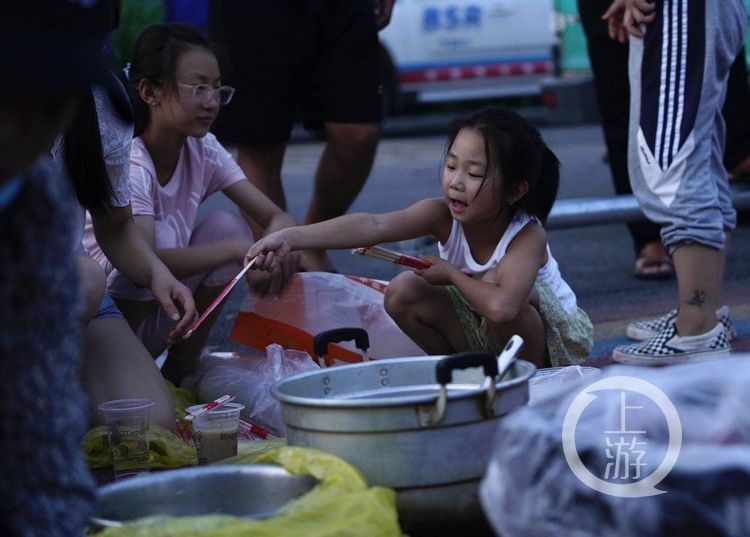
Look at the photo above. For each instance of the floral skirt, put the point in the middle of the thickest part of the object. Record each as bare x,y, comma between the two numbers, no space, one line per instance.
569,337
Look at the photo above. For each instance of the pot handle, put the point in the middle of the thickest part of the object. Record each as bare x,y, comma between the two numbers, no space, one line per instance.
444,375
323,339
462,360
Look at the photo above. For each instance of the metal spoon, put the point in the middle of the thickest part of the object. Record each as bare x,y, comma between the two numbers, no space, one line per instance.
508,356
504,363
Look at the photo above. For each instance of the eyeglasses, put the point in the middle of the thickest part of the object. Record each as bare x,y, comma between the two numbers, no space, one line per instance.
203,93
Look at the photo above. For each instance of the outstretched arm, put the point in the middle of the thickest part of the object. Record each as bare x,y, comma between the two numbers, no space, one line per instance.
426,217
129,250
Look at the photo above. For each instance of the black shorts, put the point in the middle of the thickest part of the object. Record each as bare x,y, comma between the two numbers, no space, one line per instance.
310,60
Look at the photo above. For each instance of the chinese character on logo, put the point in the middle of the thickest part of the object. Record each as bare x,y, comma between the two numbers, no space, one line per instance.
622,450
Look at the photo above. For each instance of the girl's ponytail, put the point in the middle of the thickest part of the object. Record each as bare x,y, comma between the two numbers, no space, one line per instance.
84,159
545,186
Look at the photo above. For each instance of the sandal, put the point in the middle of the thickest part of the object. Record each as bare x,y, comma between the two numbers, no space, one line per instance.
653,263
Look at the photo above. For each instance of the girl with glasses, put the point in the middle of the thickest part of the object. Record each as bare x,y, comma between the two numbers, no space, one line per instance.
175,164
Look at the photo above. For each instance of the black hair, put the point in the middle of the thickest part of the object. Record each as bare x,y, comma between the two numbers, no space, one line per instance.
84,158
155,57
82,146
515,152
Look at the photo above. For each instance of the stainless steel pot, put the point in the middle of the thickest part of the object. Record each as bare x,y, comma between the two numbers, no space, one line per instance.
254,491
406,425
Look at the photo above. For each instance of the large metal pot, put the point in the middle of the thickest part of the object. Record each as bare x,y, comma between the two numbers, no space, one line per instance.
406,425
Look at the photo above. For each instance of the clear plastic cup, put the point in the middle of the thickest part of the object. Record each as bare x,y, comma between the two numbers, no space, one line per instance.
553,379
127,431
215,432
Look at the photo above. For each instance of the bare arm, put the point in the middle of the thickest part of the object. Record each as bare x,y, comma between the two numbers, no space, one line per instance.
129,250
500,296
426,217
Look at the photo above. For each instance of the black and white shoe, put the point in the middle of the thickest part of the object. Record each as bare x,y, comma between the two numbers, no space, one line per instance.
669,348
643,330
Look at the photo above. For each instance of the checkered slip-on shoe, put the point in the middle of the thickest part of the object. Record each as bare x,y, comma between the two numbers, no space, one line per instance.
669,348
643,330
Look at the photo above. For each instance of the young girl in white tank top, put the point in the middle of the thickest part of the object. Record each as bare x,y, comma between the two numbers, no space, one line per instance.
495,276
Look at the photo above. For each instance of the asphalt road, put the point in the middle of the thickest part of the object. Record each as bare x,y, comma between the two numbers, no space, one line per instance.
596,261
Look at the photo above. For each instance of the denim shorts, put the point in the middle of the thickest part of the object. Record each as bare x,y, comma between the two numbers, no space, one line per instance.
108,309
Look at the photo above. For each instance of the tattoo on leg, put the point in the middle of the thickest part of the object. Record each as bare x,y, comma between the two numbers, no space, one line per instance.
698,298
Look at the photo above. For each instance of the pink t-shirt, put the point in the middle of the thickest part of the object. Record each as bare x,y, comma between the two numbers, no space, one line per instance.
203,168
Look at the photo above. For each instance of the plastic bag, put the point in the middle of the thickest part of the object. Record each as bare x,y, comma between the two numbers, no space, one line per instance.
549,380
166,449
250,382
530,490
340,505
318,301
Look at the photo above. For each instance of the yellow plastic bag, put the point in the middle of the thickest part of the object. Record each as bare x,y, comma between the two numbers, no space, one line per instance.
341,505
166,449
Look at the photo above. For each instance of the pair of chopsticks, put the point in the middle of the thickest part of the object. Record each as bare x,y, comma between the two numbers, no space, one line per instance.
193,327
209,406
384,254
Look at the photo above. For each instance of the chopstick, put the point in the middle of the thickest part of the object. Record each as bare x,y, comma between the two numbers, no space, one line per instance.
384,254
209,406
218,300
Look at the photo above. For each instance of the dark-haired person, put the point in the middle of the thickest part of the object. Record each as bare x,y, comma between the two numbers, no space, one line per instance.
50,57
680,57
96,151
496,275
175,164
315,60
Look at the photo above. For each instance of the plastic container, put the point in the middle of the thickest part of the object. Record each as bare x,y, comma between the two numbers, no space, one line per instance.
215,432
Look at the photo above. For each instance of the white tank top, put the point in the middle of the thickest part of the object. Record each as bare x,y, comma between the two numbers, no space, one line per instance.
457,252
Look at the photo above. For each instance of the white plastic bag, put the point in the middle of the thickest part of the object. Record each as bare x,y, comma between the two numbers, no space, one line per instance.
317,301
250,382
530,490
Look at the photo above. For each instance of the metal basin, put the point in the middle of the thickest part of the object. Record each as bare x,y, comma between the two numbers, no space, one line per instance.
255,491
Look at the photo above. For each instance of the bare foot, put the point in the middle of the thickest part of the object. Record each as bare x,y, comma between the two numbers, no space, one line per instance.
653,263
743,168
316,261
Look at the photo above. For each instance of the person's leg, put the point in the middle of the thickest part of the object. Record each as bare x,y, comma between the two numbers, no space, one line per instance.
342,171
698,286
116,365
149,321
92,284
346,97
262,166
528,324
425,313
609,65
182,357
736,112
266,47
675,159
